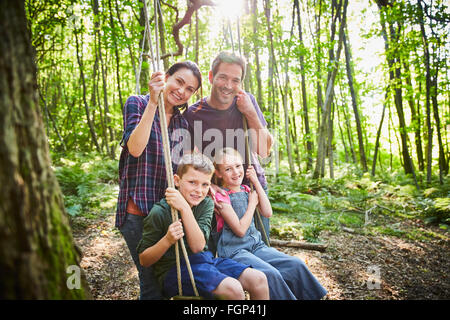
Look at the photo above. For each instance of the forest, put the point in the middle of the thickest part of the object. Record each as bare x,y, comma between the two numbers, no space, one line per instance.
355,93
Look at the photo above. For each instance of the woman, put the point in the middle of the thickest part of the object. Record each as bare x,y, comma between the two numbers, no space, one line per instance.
142,173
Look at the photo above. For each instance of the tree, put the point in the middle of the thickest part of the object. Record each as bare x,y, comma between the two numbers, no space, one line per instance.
309,146
348,64
391,37
324,126
36,246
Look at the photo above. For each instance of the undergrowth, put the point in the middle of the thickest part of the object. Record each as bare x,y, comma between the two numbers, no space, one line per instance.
304,207
89,183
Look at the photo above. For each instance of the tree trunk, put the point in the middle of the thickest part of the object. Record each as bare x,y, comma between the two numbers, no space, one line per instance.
394,62
144,72
132,58
330,143
326,115
36,246
259,97
347,159
116,53
319,66
377,143
110,130
415,117
293,130
309,146
362,153
349,132
86,107
443,165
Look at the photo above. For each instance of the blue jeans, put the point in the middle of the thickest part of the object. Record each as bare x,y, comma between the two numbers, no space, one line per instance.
289,278
132,232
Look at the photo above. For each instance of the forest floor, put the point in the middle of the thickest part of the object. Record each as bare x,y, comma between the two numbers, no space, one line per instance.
355,266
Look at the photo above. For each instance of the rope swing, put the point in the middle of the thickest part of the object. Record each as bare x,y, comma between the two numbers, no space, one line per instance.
247,137
166,148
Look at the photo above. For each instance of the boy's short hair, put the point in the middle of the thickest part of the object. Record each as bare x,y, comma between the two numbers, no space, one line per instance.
197,161
228,57
218,158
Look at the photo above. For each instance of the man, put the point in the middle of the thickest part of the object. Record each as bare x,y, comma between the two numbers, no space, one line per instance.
216,121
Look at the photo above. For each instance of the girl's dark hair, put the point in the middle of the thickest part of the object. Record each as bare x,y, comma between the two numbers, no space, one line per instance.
195,71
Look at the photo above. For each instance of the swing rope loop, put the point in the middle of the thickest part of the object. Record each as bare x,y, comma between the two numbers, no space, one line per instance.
166,148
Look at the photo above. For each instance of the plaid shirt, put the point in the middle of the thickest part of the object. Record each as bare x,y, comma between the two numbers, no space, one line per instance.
144,178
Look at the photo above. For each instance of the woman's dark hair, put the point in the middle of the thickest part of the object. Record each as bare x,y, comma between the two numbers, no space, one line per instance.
195,71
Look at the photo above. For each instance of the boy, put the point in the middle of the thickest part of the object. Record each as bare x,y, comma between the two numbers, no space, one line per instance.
213,276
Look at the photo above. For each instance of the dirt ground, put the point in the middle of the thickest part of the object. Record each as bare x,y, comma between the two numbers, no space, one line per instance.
354,266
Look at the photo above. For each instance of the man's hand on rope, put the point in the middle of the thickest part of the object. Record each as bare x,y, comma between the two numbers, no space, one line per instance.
156,85
244,104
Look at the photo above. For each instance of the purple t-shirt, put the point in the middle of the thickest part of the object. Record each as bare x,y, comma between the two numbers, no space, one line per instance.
212,130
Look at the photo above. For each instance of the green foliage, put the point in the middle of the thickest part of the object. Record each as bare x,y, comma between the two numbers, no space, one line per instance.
303,208
88,183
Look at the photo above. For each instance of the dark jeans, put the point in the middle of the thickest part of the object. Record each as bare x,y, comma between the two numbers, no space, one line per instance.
132,232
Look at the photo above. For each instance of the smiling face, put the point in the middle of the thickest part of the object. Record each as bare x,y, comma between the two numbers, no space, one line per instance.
179,88
193,185
230,170
226,84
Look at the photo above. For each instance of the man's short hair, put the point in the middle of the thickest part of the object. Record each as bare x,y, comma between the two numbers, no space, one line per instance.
228,57
197,161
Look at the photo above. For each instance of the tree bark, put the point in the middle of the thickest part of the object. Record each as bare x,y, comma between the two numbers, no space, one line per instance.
298,244
254,8
362,153
86,106
116,53
394,62
326,115
36,246
193,5
309,146
377,143
110,130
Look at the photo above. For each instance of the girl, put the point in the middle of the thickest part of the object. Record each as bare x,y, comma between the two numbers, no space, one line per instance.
142,173
288,277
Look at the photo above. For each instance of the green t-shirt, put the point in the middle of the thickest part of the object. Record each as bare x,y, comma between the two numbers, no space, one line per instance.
156,225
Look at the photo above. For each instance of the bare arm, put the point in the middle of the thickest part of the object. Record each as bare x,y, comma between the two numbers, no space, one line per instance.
139,137
152,254
264,206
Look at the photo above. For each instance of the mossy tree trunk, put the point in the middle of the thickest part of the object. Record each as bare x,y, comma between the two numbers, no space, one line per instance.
36,244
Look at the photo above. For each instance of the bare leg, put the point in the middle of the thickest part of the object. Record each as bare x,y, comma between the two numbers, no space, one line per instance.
230,289
255,282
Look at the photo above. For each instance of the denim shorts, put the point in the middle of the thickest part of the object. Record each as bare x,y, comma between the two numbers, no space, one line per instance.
208,273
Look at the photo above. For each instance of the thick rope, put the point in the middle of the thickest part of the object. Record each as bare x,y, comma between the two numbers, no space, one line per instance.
166,149
247,142
248,155
138,74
